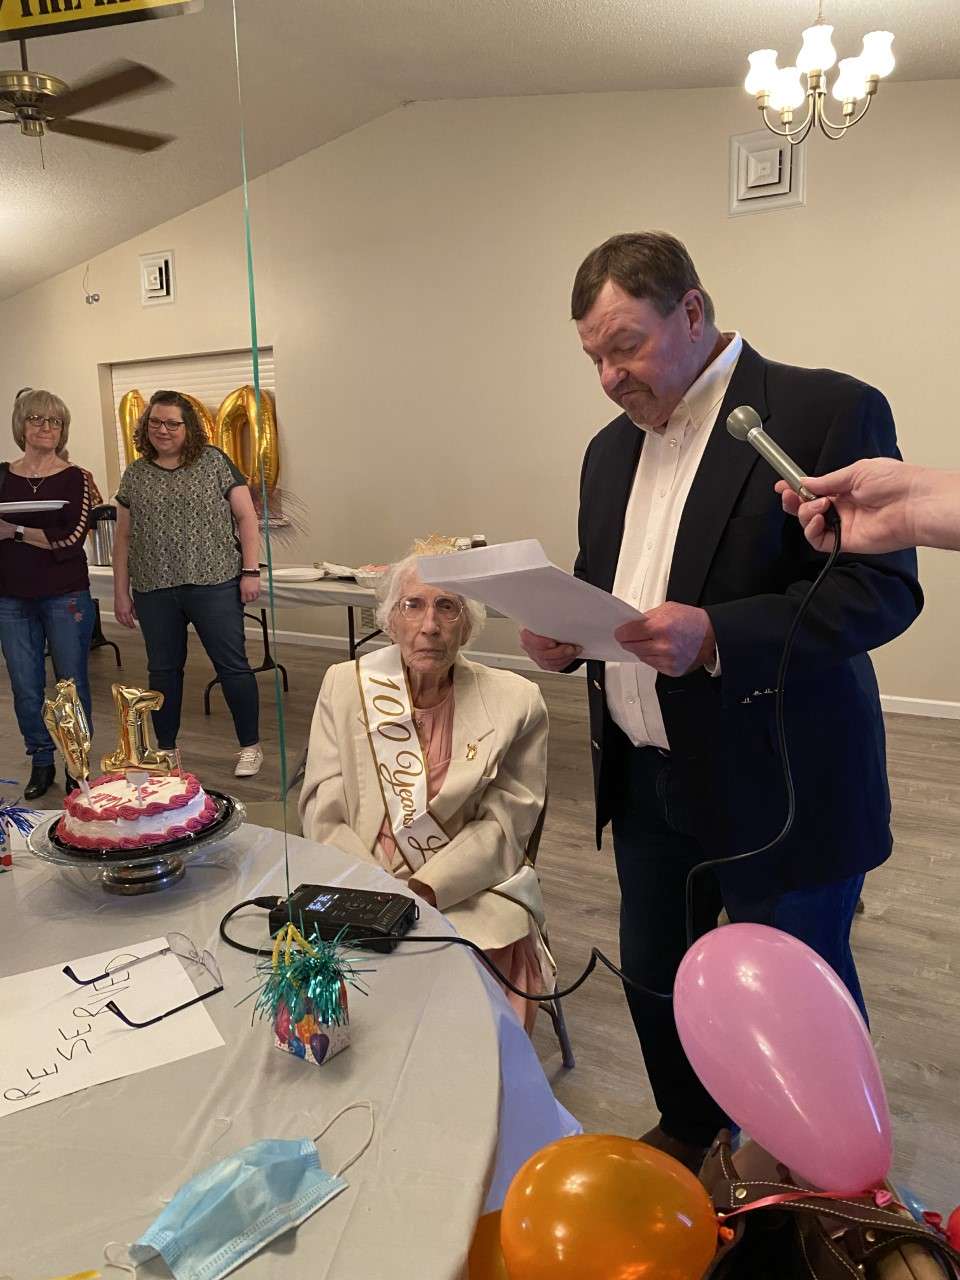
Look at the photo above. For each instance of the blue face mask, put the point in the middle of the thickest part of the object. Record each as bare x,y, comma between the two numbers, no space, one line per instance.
229,1212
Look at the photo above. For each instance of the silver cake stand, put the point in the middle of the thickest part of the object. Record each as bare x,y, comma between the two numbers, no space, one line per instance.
147,870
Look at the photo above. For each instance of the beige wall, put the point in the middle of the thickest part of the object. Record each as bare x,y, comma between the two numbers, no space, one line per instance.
414,276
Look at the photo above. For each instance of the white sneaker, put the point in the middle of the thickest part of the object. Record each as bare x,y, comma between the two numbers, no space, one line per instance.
251,759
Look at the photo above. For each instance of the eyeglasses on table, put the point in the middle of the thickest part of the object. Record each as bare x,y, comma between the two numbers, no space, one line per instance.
178,944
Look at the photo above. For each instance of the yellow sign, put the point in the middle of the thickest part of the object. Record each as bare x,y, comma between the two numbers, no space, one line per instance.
26,19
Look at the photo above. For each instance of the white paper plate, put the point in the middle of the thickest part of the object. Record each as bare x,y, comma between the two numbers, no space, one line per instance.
31,507
295,573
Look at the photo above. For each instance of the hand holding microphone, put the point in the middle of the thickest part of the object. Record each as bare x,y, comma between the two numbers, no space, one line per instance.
885,505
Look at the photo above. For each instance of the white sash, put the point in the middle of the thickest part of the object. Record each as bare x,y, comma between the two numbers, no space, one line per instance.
397,755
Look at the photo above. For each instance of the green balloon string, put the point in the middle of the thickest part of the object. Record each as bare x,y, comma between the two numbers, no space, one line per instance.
264,496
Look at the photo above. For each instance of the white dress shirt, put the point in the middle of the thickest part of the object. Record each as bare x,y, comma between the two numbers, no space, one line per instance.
665,472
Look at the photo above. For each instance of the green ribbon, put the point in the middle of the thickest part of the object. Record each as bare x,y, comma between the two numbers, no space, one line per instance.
265,500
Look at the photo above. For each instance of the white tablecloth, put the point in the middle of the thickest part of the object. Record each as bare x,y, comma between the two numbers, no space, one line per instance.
325,591
460,1098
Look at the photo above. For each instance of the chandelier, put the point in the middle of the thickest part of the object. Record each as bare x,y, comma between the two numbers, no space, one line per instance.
782,89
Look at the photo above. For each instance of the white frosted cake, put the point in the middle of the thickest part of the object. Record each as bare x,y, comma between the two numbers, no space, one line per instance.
118,815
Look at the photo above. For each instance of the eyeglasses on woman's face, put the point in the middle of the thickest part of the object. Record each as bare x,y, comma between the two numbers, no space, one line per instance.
446,608
38,420
165,424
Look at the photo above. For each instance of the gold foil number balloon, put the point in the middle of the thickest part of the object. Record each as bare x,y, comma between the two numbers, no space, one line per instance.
66,720
204,416
130,411
137,748
238,416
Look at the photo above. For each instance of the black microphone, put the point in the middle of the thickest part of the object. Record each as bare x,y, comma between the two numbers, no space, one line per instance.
744,424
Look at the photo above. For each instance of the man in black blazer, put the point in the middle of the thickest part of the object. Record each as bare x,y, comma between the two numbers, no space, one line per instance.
680,519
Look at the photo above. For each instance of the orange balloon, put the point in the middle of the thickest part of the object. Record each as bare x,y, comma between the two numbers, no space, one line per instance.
599,1207
485,1260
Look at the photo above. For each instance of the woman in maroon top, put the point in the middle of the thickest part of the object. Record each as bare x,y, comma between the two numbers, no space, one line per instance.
44,587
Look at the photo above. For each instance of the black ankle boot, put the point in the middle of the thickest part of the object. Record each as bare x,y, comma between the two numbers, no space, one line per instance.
69,784
41,780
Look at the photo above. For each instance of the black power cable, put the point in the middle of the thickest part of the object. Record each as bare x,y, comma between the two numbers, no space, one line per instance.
269,902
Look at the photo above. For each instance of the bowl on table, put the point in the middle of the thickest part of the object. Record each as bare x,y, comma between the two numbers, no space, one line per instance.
369,575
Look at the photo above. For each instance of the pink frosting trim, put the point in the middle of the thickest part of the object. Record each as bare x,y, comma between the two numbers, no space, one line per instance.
177,832
77,807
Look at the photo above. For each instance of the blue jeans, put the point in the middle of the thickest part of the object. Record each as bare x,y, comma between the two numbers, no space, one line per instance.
655,845
65,623
217,615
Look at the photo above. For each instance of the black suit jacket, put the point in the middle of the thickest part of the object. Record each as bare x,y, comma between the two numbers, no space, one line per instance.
739,557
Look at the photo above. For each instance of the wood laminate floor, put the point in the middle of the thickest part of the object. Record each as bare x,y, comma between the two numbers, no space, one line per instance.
905,942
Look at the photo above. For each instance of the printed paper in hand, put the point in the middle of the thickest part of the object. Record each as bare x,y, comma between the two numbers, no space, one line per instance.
57,1037
517,579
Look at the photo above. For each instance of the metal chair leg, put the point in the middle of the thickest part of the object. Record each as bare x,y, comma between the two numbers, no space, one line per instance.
555,1009
97,638
268,663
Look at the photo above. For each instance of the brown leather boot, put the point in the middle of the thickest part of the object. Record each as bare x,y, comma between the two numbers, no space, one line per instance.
689,1154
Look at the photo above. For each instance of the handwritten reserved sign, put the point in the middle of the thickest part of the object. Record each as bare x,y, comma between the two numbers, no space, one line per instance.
57,1037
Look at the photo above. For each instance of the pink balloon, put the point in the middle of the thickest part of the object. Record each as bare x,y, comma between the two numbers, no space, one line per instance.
778,1042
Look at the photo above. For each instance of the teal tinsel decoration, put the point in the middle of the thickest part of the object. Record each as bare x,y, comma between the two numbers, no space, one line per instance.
309,979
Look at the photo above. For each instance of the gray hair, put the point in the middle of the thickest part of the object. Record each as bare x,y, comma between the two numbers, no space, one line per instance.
29,402
388,596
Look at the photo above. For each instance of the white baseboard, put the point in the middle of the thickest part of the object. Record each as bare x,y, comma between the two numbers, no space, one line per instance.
891,703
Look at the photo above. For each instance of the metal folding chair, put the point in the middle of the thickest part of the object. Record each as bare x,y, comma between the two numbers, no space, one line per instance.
553,1007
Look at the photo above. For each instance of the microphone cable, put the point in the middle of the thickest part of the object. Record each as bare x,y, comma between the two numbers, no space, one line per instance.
783,751
596,955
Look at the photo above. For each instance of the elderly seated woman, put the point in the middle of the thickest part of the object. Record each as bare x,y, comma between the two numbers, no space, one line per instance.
435,767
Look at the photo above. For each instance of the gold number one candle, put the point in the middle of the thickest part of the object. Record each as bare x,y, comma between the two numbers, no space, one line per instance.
137,747
67,722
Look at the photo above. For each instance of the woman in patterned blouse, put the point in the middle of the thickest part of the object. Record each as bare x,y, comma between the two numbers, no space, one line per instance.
187,543
44,589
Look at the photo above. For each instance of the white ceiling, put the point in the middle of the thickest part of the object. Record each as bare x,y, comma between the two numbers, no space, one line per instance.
314,70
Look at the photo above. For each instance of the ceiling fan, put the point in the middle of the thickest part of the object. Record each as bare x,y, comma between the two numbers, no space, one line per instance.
40,103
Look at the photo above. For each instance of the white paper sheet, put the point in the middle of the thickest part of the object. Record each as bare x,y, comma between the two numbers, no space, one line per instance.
517,579
57,1037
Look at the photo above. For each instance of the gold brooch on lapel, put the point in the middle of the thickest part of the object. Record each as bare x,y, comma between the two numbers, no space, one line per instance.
471,751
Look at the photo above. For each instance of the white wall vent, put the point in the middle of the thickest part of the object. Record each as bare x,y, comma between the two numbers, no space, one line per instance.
766,173
156,278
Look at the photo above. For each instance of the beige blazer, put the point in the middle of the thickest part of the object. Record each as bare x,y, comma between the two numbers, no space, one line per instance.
489,804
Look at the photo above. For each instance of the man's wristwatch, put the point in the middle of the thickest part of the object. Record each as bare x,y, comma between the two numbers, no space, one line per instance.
18,533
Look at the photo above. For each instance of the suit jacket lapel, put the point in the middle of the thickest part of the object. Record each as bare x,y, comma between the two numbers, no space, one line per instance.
470,748
725,465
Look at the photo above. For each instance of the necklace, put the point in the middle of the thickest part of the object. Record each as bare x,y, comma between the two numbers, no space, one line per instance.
36,481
